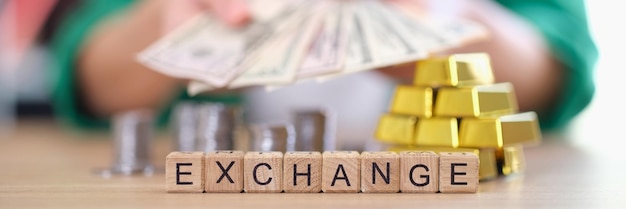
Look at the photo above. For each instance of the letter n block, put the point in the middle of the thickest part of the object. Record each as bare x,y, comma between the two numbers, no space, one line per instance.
302,172
380,172
341,171
224,171
458,172
184,172
263,172
419,172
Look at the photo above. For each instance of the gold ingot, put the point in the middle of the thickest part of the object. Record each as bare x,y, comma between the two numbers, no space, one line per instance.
455,70
437,132
413,100
476,101
513,161
396,129
488,166
497,132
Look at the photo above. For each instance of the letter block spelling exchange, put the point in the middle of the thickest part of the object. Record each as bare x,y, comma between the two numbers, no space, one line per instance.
302,172
224,171
263,172
184,172
341,171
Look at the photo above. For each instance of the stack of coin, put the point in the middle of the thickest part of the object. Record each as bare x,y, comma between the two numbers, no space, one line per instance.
454,103
272,137
204,126
132,143
315,129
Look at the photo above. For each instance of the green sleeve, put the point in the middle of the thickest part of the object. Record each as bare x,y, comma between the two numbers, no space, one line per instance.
64,47
563,23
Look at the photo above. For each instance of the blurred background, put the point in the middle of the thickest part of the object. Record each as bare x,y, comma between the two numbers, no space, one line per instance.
25,88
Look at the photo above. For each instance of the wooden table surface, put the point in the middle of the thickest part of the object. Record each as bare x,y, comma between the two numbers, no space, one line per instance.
43,165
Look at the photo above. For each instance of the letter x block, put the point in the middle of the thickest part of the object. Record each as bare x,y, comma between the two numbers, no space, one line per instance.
184,172
419,172
263,172
224,171
302,172
341,171
458,172
380,172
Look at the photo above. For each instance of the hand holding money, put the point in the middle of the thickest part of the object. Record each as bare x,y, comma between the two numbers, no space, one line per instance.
292,40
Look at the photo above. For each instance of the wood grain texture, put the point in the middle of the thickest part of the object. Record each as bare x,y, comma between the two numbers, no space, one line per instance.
263,172
419,172
184,172
341,172
380,172
458,172
302,172
224,171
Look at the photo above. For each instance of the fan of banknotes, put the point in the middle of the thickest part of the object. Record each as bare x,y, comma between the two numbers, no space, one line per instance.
292,40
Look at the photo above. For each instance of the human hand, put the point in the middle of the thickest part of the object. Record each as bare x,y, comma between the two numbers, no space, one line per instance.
232,12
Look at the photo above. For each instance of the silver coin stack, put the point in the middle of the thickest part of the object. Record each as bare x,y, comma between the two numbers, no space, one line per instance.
215,126
132,143
204,126
272,137
184,127
315,129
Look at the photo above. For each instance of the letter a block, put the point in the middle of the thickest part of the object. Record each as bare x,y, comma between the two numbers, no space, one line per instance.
380,172
263,172
419,172
302,172
224,171
458,172
341,171
184,172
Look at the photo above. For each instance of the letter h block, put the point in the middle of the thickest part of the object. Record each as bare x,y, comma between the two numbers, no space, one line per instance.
302,172
419,172
263,172
224,171
458,172
341,171
184,172
380,172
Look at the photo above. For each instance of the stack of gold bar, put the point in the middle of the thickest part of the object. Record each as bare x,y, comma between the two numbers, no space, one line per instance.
455,105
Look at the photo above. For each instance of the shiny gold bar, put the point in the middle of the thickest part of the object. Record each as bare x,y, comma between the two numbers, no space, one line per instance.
488,165
513,161
455,70
396,129
497,132
476,101
437,132
413,100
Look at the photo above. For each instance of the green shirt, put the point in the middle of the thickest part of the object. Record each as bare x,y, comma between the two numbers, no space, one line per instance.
562,23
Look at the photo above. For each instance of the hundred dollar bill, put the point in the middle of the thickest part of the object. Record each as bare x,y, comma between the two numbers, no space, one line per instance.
204,49
455,31
280,58
383,45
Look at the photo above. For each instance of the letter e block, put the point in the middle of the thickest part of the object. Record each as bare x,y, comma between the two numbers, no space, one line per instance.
341,171
263,172
302,172
458,172
380,172
419,172
184,172
224,171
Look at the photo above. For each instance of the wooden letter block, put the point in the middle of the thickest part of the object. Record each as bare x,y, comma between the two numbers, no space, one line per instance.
419,172
302,172
341,171
263,172
380,172
184,172
224,171
458,172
